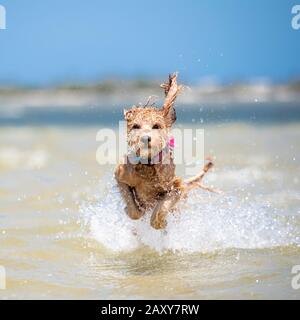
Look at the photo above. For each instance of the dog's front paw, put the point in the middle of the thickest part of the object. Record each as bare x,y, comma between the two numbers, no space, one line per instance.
133,213
158,223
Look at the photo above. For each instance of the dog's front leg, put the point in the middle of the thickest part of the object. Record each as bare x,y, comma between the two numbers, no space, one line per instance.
123,175
162,208
131,208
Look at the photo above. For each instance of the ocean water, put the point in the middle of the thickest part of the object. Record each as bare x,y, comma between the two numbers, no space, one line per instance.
64,233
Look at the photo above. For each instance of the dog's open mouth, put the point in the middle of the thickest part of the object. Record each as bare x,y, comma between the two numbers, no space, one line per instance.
149,154
145,154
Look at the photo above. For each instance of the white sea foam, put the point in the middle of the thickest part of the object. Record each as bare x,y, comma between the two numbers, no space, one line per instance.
205,223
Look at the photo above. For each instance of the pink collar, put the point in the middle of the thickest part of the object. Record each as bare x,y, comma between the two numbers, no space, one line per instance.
172,143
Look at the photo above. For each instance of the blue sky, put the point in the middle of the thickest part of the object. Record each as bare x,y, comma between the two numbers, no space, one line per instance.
52,41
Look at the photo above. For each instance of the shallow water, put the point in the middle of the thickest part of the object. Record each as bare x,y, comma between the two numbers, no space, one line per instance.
64,234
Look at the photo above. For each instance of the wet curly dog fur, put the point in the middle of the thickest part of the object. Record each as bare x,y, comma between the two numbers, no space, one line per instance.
147,179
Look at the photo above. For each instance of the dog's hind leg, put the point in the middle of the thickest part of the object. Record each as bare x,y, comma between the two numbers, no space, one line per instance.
195,182
162,208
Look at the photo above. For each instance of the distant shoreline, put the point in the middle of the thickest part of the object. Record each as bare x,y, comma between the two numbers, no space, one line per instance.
126,93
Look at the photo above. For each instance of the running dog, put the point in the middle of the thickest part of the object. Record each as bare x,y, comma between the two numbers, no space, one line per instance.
147,179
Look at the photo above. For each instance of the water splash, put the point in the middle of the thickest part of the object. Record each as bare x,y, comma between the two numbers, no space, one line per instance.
204,223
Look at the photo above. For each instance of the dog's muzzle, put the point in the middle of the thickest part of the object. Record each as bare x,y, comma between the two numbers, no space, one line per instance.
133,158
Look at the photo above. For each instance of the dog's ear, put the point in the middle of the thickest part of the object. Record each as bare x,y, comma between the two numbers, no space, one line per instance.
128,114
170,116
171,91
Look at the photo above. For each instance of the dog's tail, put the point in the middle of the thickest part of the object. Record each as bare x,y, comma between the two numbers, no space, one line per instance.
196,181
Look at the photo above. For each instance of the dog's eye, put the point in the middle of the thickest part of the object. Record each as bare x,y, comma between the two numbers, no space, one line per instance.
136,126
156,126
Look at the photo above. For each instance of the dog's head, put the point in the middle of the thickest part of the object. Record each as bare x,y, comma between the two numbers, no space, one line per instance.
147,130
148,127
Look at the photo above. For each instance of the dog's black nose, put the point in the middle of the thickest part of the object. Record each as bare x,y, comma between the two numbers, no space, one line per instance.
146,139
